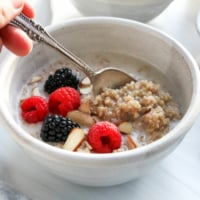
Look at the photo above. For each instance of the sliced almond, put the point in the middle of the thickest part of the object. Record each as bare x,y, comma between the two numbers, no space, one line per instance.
85,86
35,79
36,91
85,90
85,106
84,147
81,118
85,82
88,145
74,139
125,127
130,142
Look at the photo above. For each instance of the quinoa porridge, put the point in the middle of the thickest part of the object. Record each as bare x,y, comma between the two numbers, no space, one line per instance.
143,111
142,102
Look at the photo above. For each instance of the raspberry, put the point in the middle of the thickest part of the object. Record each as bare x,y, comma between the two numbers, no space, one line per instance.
56,128
34,109
61,78
104,137
63,100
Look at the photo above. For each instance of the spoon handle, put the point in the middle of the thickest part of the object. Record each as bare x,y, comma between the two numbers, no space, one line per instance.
37,33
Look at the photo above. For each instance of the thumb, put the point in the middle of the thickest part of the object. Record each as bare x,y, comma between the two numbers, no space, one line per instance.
9,9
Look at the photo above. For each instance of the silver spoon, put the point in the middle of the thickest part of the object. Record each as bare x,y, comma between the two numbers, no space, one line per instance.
107,77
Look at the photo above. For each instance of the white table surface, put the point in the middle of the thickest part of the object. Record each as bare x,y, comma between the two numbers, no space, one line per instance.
175,178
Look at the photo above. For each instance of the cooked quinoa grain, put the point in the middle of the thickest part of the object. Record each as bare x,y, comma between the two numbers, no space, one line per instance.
143,103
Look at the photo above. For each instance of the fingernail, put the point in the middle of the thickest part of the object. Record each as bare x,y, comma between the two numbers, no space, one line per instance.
17,3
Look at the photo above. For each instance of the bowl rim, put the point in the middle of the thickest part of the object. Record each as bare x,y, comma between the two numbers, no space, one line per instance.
40,147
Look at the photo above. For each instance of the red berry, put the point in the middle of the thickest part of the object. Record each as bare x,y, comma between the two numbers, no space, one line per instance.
34,109
63,100
104,137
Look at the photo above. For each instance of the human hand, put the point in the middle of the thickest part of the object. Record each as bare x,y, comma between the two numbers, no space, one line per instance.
13,38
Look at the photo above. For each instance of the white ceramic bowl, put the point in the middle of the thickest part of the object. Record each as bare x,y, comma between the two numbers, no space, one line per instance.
87,38
140,10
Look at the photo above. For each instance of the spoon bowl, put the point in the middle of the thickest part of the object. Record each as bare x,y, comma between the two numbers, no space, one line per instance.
111,78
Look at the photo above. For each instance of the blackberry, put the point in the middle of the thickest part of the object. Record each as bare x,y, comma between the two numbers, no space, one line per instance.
61,78
56,128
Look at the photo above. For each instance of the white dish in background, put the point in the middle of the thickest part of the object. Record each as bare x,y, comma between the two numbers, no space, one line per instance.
140,10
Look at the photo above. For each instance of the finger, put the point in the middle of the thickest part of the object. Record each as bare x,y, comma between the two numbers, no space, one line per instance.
16,40
28,10
9,10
